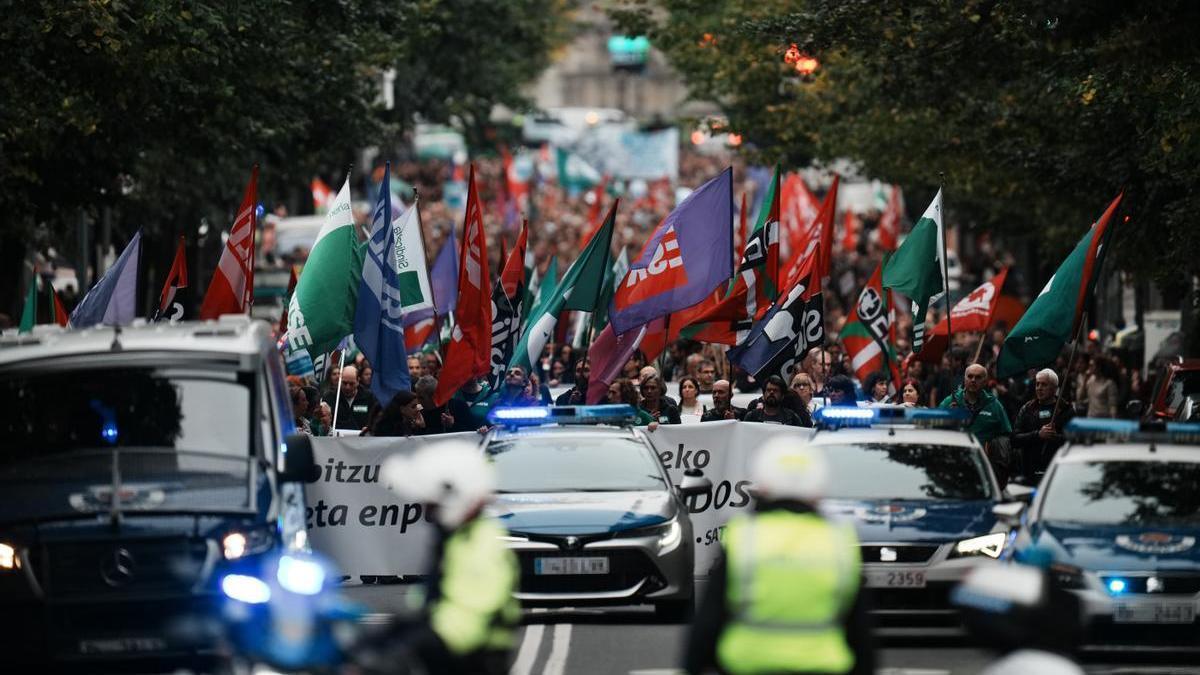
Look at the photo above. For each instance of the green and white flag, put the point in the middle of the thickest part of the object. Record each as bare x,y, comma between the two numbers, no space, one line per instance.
412,271
915,269
321,311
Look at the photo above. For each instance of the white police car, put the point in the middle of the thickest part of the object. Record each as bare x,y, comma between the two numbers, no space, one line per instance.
591,512
1119,511
920,493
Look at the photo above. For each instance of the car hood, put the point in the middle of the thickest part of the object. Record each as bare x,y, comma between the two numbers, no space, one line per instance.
1119,547
927,520
582,512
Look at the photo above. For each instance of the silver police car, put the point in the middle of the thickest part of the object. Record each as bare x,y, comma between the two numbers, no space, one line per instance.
590,509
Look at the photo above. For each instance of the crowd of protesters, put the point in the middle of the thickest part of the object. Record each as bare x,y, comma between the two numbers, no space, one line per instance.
1020,419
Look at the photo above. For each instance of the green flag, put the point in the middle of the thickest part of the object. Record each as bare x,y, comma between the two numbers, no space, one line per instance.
915,270
29,313
574,174
579,290
321,311
1054,317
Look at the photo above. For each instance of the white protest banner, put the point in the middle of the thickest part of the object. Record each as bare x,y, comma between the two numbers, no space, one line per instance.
357,521
723,451
354,519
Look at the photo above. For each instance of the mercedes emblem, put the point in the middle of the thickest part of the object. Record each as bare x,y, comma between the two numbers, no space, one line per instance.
117,568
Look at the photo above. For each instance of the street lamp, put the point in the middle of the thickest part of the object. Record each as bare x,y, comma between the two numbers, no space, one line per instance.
804,64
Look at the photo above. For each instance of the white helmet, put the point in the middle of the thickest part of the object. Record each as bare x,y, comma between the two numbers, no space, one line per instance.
452,474
786,468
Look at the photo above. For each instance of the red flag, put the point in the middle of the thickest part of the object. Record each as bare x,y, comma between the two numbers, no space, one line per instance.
972,314
594,209
825,222
800,210
850,227
232,285
416,335
469,352
512,275
176,280
322,195
1089,262
868,331
287,298
889,222
60,312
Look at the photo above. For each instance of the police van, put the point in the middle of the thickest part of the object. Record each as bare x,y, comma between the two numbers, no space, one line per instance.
1119,513
922,498
138,465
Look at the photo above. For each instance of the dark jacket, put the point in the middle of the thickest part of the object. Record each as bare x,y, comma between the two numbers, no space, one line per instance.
352,414
714,415
712,615
785,416
457,408
667,413
1036,451
572,396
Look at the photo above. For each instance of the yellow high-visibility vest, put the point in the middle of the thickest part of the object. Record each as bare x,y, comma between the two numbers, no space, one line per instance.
477,609
790,579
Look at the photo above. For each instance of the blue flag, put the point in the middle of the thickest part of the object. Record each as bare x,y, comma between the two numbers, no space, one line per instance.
113,300
378,318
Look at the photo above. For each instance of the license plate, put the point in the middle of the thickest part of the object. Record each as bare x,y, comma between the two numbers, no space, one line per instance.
1154,612
122,645
895,578
598,565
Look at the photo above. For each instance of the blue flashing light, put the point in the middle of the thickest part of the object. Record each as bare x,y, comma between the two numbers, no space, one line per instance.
305,577
847,416
1117,586
838,413
244,588
1101,426
572,414
936,414
109,433
520,414
1113,430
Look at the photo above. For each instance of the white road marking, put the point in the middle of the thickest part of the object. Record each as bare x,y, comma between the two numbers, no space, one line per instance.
527,653
375,618
657,671
556,664
911,671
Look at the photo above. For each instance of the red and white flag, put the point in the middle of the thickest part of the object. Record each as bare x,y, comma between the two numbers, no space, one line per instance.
232,284
469,353
972,314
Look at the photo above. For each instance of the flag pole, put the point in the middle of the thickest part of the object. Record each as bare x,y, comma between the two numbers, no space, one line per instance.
946,266
337,397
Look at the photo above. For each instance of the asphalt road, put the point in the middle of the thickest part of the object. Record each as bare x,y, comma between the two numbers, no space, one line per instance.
629,640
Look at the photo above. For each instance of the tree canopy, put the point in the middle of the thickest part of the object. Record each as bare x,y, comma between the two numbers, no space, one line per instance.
155,110
1038,112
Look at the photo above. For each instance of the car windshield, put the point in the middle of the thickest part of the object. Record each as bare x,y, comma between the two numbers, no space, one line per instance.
906,471
574,463
161,437
1124,493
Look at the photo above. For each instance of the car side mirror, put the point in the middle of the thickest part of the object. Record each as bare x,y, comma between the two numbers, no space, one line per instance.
1020,493
297,460
1134,408
1009,513
694,483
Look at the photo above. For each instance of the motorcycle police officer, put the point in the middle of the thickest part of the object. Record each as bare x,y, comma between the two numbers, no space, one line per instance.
469,613
785,595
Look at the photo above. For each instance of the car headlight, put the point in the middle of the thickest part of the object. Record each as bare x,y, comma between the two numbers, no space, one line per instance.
669,537
8,558
239,544
245,588
300,575
990,545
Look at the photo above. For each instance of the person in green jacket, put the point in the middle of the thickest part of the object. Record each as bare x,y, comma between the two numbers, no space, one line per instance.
469,615
988,419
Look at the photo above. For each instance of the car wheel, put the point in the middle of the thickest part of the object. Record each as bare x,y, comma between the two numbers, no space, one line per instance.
675,611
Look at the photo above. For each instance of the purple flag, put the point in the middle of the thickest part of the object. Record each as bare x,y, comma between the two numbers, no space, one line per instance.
444,277
608,355
113,300
689,255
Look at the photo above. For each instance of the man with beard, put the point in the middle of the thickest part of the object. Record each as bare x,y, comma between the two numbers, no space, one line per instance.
723,408
772,410
577,395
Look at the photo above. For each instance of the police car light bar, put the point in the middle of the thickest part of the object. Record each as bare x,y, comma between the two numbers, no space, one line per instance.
832,417
618,414
1113,431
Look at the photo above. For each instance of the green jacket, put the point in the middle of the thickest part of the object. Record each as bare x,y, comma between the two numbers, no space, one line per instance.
988,421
